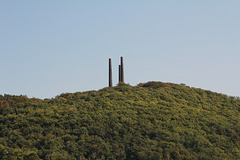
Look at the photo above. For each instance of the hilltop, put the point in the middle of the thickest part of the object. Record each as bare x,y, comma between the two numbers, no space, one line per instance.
153,120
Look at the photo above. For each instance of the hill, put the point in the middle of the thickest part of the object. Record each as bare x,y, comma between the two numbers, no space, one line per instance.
153,120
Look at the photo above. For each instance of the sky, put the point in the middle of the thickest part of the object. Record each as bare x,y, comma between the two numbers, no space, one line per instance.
58,46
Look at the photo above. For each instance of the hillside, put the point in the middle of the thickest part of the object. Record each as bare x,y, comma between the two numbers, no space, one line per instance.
153,120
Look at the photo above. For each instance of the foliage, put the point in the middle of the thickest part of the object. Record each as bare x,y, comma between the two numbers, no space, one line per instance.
153,120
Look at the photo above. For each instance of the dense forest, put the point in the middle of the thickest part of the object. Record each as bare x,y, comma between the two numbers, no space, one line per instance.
150,121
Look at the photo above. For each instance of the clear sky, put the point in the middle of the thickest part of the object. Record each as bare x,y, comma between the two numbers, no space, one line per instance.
52,47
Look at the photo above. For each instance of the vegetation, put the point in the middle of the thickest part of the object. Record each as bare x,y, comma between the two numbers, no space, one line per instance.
153,120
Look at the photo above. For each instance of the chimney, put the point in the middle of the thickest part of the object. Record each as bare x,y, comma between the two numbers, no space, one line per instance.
110,72
122,71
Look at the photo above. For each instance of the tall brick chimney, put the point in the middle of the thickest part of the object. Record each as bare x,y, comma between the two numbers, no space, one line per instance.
122,70
110,72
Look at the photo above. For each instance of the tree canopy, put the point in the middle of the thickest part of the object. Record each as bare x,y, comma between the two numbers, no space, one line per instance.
151,121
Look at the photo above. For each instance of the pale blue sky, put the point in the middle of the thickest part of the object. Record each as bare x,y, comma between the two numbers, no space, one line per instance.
52,47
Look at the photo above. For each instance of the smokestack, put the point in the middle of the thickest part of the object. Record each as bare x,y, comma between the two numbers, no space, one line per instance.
122,71
110,72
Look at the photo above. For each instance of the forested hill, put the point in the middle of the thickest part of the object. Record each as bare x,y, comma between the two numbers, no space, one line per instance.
153,120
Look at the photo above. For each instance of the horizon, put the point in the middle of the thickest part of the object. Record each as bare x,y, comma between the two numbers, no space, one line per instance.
116,85
52,47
